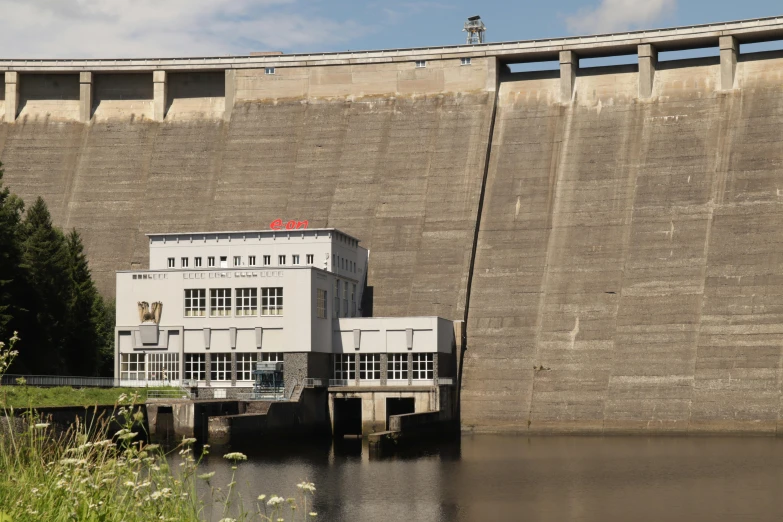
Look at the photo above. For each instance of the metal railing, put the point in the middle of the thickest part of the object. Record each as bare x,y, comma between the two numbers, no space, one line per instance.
59,380
310,382
338,382
437,381
168,394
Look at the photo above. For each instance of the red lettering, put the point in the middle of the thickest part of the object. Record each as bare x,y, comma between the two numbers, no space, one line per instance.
290,225
301,224
277,224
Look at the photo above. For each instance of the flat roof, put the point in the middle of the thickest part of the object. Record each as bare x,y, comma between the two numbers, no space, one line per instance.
251,232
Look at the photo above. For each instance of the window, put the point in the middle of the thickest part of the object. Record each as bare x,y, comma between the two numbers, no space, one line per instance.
281,260
397,367
245,363
171,262
163,367
370,367
271,301
211,261
320,304
132,366
421,64
345,299
220,302
423,366
353,300
269,70
220,367
251,260
267,260
237,260
195,302
197,262
195,367
345,366
272,357
295,260
223,261
247,301
309,259
464,61
336,307
183,262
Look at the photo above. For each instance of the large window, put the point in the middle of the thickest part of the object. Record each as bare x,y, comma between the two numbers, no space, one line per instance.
320,303
353,300
247,301
220,367
345,299
195,302
245,363
397,369
336,307
423,366
195,367
132,366
163,366
271,301
345,366
272,357
220,302
370,367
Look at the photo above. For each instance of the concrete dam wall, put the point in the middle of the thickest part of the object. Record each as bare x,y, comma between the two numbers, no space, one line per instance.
611,235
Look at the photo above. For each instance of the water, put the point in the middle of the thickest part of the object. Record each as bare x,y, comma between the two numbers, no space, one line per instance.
514,478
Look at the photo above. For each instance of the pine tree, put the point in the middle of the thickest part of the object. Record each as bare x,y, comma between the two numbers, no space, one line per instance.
82,341
105,313
10,281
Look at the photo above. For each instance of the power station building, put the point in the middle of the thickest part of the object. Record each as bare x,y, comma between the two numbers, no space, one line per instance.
215,308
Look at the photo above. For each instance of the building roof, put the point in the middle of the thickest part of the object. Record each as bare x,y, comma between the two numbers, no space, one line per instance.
267,232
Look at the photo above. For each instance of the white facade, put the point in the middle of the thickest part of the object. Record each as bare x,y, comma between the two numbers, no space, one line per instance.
231,299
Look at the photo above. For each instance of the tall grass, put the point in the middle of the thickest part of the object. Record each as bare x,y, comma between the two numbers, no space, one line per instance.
102,473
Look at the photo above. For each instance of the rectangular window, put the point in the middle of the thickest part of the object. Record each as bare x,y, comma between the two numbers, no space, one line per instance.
251,260
353,300
320,304
237,260
397,367
464,61
271,301
223,261
220,367
245,363
370,367
183,262
423,366
195,367
163,366
269,70
267,260
295,260
336,307
197,262
171,262
281,260
420,64
309,259
195,302
272,357
345,366
220,302
247,302
345,299
211,261
132,367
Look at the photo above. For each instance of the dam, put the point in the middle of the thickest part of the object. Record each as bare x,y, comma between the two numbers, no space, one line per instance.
609,236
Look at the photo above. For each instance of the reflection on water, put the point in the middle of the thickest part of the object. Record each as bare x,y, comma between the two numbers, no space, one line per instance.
488,477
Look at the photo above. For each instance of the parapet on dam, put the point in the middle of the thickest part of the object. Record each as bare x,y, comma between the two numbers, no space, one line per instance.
612,237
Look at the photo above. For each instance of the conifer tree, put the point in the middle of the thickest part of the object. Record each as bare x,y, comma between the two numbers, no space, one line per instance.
82,341
10,281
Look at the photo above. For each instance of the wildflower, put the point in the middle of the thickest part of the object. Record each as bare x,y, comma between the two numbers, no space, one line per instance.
235,456
127,436
275,500
41,425
290,500
138,416
261,497
189,440
122,397
313,514
129,483
307,486
207,476
151,447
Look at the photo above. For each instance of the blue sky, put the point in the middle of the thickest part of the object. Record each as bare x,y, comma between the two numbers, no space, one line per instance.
146,28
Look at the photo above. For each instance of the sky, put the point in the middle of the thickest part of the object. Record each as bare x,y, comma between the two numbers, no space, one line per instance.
161,28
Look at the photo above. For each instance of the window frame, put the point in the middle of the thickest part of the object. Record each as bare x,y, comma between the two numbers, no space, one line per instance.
464,61
211,262
251,260
397,367
294,259
321,300
246,305
137,361
171,263
423,367
224,300
197,262
272,301
421,64
245,365
269,70
281,260
220,365
199,298
370,367
184,262
164,366
345,366
267,260
195,367
310,259
237,260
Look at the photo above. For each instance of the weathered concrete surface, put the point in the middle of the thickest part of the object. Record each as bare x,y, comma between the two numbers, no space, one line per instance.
630,252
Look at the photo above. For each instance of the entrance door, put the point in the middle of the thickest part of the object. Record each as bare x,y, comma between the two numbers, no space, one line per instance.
347,417
398,407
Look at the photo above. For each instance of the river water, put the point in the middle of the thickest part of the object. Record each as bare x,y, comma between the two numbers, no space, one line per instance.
516,478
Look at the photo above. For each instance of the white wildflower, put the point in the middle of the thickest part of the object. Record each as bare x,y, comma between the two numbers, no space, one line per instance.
235,456
207,476
306,486
41,425
275,500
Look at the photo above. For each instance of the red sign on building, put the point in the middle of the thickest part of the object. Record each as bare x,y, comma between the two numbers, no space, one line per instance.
278,224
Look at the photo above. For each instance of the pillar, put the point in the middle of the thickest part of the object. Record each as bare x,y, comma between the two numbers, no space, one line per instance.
230,92
85,97
160,95
648,62
11,95
729,48
569,63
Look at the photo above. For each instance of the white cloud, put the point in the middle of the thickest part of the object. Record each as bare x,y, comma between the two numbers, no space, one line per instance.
620,15
153,28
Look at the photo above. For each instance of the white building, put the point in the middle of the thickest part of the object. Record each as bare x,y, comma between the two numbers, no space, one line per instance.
219,303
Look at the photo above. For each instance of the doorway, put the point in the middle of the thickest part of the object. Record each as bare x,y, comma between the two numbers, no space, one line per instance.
398,407
347,417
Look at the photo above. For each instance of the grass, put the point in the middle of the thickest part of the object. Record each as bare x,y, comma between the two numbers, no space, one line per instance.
31,396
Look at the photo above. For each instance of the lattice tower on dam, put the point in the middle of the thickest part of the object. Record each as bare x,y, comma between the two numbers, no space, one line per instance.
610,235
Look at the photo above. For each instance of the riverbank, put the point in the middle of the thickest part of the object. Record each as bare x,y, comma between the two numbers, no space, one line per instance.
34,397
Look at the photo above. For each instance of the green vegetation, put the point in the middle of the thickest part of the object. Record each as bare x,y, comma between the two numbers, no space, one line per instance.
46,291
30,396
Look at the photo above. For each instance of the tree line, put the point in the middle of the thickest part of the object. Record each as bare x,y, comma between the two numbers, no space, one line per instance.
47,294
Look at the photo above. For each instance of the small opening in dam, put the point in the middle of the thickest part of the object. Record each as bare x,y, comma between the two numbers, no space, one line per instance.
552,65
689,54
761,47
608,61
347,417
